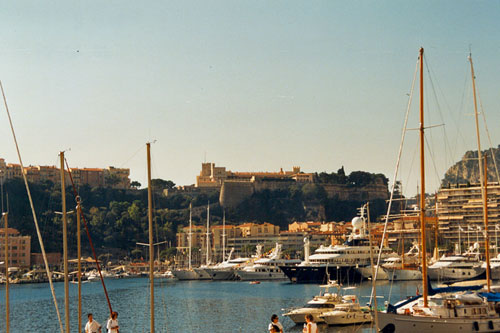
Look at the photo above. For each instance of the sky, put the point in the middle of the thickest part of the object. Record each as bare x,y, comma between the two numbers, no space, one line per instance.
249,85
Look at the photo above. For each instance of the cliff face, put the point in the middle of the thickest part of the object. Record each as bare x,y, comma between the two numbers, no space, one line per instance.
467,169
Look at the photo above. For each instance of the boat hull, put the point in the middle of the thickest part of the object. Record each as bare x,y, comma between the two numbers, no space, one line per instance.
366,271
220,274
317,274
454,274
202,274
347,318
399,274
298,316
260,276
185,274
391,323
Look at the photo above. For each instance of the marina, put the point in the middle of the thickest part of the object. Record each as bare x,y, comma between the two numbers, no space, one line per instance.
183,306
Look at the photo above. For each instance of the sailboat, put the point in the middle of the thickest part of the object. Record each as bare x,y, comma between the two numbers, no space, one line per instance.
189,273
202,273
452,309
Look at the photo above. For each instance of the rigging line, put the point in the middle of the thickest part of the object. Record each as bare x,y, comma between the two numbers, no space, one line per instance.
77,198
40,240
403,134
412,163
488,135
432,158
429,71
131,157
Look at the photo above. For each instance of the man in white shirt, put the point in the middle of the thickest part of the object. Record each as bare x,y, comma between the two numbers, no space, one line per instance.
92,326
112,324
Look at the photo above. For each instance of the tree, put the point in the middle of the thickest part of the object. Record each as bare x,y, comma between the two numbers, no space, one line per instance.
135,184
162,184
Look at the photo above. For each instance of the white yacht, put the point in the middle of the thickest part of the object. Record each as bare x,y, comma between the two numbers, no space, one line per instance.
185,274
494,267
349,312
366,272
266,268
397,270
226,269
340,261
457,267
324,302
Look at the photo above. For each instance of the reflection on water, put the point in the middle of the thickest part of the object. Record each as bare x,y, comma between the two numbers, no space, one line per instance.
190,306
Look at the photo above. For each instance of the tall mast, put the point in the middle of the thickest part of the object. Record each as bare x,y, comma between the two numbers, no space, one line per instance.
190,239
481,171
223,234
374,280
79,254
6,256
487,236
422,182
151,249
208,234
65,243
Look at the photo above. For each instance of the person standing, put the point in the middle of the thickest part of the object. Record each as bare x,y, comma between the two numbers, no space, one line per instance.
275,322
310,326
112,324
92,326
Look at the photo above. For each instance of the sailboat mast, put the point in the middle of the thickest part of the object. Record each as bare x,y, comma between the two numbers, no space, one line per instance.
422,182
487,236
151,249
6,256
65,242
482,176
223,234
190,232
79,254
208,233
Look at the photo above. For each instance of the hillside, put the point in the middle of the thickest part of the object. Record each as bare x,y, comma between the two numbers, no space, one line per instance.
467,169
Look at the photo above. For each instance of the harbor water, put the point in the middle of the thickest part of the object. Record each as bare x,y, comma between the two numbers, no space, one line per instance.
180,306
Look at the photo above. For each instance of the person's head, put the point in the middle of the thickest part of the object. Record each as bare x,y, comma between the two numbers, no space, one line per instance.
90,317
114,315
275,329
309,317
274,318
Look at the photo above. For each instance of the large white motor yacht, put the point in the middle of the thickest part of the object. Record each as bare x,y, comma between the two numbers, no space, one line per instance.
457,267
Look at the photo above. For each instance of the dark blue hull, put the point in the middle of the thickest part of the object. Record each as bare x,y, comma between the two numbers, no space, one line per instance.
317,274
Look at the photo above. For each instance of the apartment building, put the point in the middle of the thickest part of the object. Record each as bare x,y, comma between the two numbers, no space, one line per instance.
19,248
460,212
95,177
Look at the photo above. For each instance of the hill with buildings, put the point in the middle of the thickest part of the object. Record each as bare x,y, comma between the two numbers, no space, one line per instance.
117,215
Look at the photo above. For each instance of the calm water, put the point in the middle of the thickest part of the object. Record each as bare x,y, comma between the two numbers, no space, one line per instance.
194,306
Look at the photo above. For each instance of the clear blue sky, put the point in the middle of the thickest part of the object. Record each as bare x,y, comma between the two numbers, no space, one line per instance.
253,85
